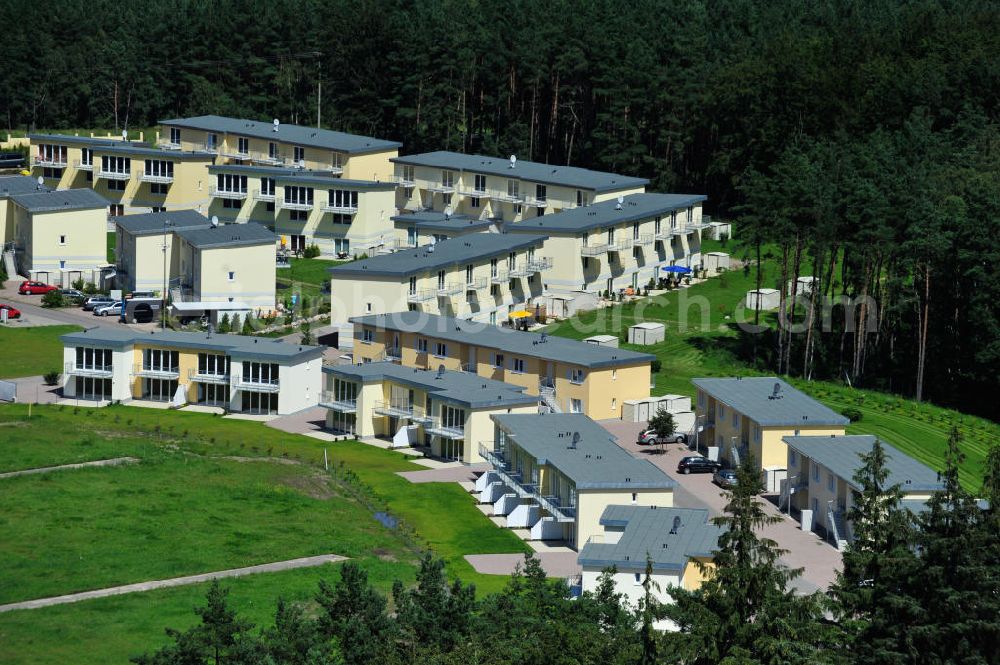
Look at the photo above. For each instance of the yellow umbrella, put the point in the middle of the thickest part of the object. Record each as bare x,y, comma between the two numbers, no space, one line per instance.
520,314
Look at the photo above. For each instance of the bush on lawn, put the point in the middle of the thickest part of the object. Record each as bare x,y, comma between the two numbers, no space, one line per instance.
311,252
53,299
51,378
655,365
854,415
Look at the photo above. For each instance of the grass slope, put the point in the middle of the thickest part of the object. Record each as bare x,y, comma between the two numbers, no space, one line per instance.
31,351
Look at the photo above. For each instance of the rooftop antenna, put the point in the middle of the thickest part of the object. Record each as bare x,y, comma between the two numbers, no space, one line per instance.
576,440
776,393
677,525
513,161
621,200
275,123
215,221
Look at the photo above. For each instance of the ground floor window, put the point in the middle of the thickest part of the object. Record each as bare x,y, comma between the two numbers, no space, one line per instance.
89,388
213,394
451,449
260,403
343,422
159,390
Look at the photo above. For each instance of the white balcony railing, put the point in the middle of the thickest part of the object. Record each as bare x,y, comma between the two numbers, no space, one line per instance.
400,409
475,284
332,169
212,148
234,153
500,277
295,205
478,193
512,479
620,245
450,289
114,175
535,201
343,210
50,162
231,194
156,372
167,144
437,428
79,165
521,270
643,239
276,159
257,384
401,181
507,197
96,371
208,377
331,401
593,250
421,295
663,234
260,195
441,188
540,264
160,179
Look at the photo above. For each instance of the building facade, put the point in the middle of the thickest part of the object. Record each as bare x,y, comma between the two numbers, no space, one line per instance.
243,374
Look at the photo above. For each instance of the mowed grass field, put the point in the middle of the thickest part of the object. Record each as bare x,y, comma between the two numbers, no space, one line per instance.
207,494
31,351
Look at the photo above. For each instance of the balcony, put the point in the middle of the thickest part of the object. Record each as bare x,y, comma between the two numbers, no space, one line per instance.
96,371
512,479
295,205
594,250
160,179
343,210
234,153
521,270
681,231
393,354
232,195
507,197
257,384
399,409
540,264
156,372
277,159
402,181
500,277
450,289
330,401
208,377
663,234
437,428
332,169
620,245
478,193
441,188
212,148
643,239
166,144
421,295
259,195
475,284
114,175
80,165
535,201
49,162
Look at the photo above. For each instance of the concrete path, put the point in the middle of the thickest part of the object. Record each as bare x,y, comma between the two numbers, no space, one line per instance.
62,467
449,474
819,559
555,564
304,562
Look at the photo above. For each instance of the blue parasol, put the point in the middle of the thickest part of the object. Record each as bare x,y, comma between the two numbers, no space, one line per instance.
677,269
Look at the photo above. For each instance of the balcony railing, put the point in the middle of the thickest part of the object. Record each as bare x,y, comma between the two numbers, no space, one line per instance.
208,377
234,153
257,384
524,490
331,401
393,354
521,270
620,245
332,169
79,165
230,194
276,159
51,162
345,210
699,226
500,277
260,195
540,264
212,148
114,175
475,284
96,371
450,289
401,181
437,428
166,144
161,179
156,372
506,197
478,193
295,205
441,188
643,239
535,201
420,295
681,231
663,234
593,250
399,409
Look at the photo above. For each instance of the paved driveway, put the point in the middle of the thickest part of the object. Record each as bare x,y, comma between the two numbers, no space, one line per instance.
32,312
820,560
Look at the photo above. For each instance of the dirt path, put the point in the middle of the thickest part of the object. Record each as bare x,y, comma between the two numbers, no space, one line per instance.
304,562
62,467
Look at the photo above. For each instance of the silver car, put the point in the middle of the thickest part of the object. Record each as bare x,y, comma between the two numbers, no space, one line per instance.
114,309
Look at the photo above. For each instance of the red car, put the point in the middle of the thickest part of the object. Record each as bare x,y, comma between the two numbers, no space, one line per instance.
12,313
35,288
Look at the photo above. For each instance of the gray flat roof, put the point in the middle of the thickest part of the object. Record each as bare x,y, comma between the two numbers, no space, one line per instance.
20,184
752,396
151,223
70,138
597,462
462,388
634,207
841,455
296,134
438,221
452,252
548,174
235,345
517,342
304,176
120,148
227,235
648,533
60,199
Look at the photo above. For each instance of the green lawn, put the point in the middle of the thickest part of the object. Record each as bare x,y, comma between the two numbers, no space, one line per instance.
305,277
32,351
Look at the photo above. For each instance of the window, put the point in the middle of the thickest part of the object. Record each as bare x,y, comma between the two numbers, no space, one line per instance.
722,411
257,372
701,399
517,365
55,155
736,420
816,472
512,261
635,497
62,264
411,236
342,245
116,210
117,185
272,151
829,481
493,318
575,375
231,276
493,267
413,285
213,364
793,457
232,204
475,202
343,198
586,263
159,168
298,215
267,186
498,360
160,360
441,275
452,417
158,188
468,274
513,189
614,403
576,405
62,240
440,349
175,135
298,154
635,231
367,335
447,178
231,182
421,345
113,164
86,157
581,200
541,193
656,226
337,160
447,199
299,195
213,142
480,183
243,145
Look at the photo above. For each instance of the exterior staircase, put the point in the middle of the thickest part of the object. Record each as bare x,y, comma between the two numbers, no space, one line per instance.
548,395
838,528
9,264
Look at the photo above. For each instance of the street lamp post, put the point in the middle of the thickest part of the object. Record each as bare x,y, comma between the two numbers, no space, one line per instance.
163,306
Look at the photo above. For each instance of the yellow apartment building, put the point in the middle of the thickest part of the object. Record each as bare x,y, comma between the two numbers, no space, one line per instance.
679,543
445,412
820,487
241,141
53,236
753,415
510,190
619,244
243,374
132,176
481,276
568,375
427,227
556,474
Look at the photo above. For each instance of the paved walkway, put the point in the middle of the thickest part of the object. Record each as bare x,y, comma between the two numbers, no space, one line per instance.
555,564
304,562
819,559
448,474
65,467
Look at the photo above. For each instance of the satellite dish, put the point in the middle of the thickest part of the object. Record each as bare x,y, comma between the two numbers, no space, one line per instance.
447,212
276,123
41,181
621,200
124,135
576,440
302,163
513,161
440,371
677,525
215,221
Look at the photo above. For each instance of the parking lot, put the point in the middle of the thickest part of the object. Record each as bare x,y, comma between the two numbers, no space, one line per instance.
33,314
819,559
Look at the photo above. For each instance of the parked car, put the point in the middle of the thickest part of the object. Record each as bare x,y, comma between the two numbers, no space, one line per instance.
94,302
12,312
73,294
697,464
35,288
649,438
724,478
114,309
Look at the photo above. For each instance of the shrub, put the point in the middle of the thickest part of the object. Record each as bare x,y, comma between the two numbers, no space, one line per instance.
51,378
656,365
311,252
78,284
854,415
53,299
